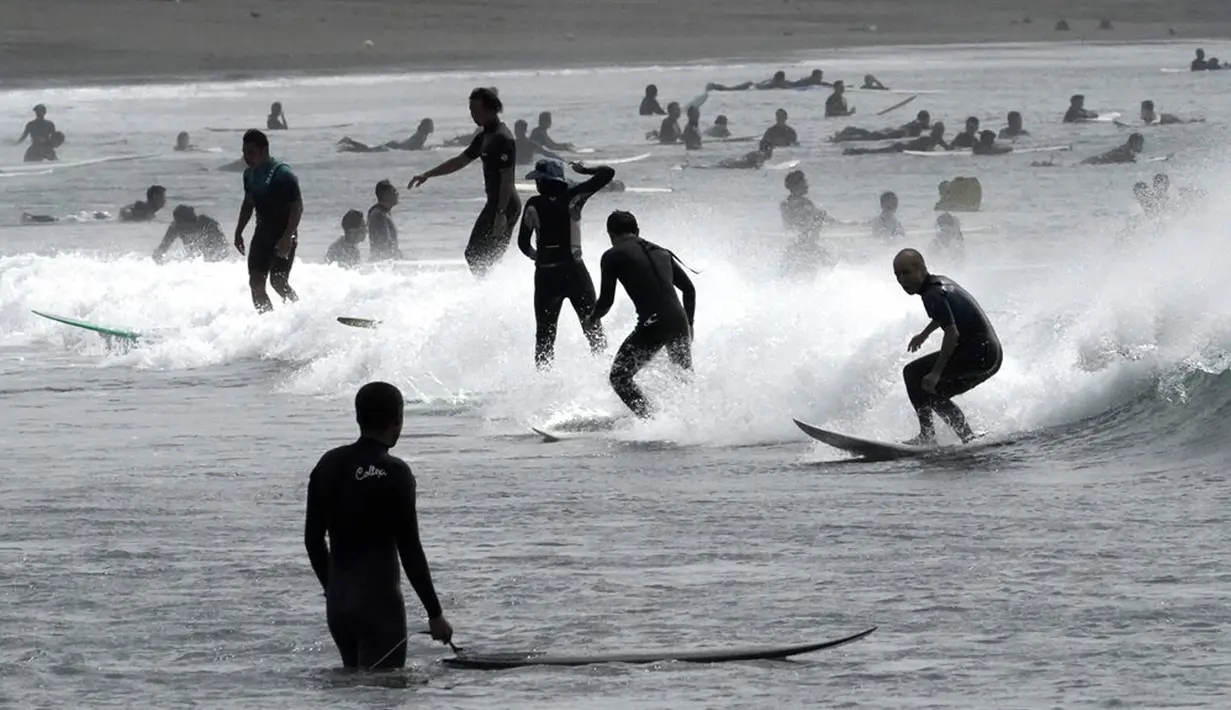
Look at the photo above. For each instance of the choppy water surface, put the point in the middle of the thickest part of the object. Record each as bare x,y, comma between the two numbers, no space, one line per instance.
153,497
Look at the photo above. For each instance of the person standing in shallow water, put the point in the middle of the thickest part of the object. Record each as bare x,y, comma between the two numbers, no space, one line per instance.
364,500
969,356
495,147
272,191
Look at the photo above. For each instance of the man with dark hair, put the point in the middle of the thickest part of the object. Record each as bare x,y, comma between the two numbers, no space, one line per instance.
969,356
496,148
381,229
345,251
559,272
272,191
155,199
650,275
202,236
364,499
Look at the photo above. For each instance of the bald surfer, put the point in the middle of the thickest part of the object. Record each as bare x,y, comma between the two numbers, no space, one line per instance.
649,103
276,120
201,236
271,190
1150,117
44,139
650,275
1126,153
1077,111
363,500
969,356
780,135
835,105
496,149
559,271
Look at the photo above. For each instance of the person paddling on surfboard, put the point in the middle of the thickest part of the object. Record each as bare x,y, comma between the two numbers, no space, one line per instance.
650,275
968,357
364,499
272,191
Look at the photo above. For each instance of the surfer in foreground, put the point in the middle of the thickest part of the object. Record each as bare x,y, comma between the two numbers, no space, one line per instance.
650,275
969,355
494,146
559,272
272,191
364,499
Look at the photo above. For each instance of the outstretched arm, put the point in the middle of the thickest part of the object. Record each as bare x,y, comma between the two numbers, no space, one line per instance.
167,240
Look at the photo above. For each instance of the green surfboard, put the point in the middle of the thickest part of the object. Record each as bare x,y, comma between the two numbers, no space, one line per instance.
103,330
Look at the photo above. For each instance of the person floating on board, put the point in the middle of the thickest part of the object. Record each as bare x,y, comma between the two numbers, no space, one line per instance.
968,137
1126,153
495,148
1199,63
276,120
364,500
539,135
987,145
669,130
933,141
835,105
720,128
649,103
871,83
815,78
201,235
44,139
780,134
650,275
272,191
691,137
155,199
1152,118
1077,112
345,251
969,356
559,272
914,129
415,142
752,160
1014,129
381,229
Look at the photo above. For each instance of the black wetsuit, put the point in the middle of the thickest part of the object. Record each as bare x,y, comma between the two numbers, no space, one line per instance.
539,136
559,270
365,500
692,136
651,107
1076,115
965,139
272,189
780,135
835,106
137,212
382,234
650,275
974,361
669,131
40,131
497,150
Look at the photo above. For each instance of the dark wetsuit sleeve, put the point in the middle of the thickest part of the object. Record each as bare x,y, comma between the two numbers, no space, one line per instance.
529,222
410,548
680,278
937,307
315,524
578,194
606,296
504,149
475,149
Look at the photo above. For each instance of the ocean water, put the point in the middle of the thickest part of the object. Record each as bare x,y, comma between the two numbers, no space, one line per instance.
153,496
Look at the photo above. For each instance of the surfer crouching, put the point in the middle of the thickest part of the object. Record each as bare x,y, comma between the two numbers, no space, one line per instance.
969,356
364,499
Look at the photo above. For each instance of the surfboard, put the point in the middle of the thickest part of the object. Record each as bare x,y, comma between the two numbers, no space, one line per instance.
502,661
102,330
531,187
867,448
1106,117
939,153
896,106
783,166
358,322
622,161
1045,149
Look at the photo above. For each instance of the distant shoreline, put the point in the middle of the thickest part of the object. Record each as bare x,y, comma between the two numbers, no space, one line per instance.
61,43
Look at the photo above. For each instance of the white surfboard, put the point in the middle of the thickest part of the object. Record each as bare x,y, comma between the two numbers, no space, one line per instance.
1106,117
621,161
939,153
531,187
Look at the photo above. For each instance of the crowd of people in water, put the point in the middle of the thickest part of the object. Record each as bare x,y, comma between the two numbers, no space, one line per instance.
368,622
